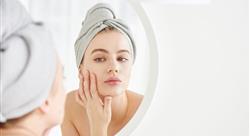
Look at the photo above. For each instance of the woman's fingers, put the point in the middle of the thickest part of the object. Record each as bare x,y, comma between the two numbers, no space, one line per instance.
86,84
94,89
88,89
81,91
79,99
107,104
93,86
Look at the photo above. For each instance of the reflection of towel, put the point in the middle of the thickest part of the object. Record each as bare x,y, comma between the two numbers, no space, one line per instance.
28,62
99,17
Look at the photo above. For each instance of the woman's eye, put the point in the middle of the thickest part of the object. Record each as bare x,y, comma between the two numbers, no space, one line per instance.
122,59
99,59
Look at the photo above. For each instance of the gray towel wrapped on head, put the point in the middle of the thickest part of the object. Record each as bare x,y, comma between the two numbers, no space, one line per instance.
99,17
28,62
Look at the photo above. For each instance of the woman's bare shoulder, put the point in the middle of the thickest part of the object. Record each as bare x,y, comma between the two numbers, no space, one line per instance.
134,98
75,114
77,111
70,99
134,95
72,107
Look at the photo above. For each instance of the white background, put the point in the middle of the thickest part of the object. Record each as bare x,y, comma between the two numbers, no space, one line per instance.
203,80
203,67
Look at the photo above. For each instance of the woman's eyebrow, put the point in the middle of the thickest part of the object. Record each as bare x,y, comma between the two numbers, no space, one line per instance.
105,51
102,50
120,51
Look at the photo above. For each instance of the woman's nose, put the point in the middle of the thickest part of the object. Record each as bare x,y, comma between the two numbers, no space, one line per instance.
110,70
113,68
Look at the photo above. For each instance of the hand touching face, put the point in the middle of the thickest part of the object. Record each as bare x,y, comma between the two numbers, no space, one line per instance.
98,111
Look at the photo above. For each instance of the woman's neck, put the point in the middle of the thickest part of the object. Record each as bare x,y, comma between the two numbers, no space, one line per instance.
119,108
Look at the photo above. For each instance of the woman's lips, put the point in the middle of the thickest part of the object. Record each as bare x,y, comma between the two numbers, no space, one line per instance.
113,81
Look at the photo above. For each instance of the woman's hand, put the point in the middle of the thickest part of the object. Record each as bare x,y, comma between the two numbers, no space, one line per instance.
98,112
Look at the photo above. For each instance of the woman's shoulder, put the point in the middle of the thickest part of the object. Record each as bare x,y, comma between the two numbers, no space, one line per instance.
72,107
134,98
75,113
70,98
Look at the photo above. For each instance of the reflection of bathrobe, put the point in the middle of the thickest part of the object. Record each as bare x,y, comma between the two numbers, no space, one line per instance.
28,62
98,17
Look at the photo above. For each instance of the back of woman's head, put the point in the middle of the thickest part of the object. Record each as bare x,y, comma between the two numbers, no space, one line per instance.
28,63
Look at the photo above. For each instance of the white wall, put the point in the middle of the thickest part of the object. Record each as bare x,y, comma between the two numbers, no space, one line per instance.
203,80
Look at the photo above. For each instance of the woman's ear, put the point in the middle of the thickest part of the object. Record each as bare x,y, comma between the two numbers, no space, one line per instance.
44,108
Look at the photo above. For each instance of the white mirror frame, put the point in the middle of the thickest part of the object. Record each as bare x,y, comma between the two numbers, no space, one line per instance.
153,75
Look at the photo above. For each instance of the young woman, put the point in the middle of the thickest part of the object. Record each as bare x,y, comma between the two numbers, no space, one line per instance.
105,53
31,95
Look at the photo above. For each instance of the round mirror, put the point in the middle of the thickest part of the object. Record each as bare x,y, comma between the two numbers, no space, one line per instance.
64,21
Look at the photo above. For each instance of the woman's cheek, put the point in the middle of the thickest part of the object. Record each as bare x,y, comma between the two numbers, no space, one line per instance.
128,74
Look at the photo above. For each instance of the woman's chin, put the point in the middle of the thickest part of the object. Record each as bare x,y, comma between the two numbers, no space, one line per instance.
112,92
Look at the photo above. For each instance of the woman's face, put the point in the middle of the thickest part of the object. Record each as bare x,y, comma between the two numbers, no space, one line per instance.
109,57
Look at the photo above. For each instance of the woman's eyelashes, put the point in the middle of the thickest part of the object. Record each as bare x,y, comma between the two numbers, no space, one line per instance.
100,59
122,59
104,59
